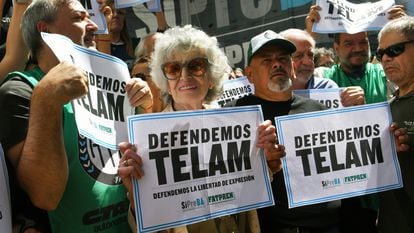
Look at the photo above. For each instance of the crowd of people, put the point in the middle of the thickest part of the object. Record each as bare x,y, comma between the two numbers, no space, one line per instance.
182,68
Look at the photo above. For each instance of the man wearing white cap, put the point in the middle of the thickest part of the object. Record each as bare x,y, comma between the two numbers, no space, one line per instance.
270,69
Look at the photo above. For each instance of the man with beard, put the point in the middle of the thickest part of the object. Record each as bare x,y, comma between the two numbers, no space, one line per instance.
270,69
354,69
353,53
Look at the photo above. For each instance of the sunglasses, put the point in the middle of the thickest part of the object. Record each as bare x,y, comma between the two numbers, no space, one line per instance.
196,67
393,50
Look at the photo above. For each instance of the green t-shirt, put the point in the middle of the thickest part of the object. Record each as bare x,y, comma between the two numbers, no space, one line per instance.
373,81
94,199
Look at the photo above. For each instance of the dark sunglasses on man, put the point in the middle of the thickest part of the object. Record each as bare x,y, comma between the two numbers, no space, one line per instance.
393,50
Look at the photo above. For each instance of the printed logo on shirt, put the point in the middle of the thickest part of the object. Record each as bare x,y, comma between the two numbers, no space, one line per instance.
409,125
99,162
107,217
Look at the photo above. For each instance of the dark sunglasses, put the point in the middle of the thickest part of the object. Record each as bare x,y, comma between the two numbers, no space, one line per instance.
196,67
393,50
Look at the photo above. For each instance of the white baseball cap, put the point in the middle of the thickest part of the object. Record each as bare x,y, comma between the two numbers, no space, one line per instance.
266,38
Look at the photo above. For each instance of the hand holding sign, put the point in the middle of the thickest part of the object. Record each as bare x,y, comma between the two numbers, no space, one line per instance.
268,141
400,137
129,165
352,96
396,11
344,16
139,94
71,84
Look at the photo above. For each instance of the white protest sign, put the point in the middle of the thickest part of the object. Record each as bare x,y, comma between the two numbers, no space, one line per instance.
101,114
343,16
330,97
96,15
337,154
198,165
127,3
235,89
5,208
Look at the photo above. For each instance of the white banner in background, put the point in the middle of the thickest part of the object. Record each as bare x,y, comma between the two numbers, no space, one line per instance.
235,89
343,16
336,154
329,97
101,114
198,165
5,208
96,15
127,3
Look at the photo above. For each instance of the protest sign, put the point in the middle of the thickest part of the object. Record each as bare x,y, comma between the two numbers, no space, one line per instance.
154,5
101,114
198,165
96,15
343,16
329,97
235,89
128,3
336,154
5,209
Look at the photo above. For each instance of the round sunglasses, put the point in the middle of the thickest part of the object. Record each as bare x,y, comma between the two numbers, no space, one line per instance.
196,67
393,50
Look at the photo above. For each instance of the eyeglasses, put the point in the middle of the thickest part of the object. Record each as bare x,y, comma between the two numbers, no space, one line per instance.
196,67
393,50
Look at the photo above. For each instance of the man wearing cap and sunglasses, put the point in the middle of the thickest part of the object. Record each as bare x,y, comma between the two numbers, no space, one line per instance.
396,53
354,69
270,69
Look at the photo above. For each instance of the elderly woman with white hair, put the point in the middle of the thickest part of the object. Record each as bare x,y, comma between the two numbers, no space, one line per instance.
189,68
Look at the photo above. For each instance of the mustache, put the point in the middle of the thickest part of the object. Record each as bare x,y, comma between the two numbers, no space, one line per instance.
279,70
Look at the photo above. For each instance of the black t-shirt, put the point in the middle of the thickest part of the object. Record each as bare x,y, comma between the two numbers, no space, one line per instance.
396,213
120,51
15,97
279,215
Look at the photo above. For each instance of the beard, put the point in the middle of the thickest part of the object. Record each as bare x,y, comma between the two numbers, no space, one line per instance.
279,84
357,66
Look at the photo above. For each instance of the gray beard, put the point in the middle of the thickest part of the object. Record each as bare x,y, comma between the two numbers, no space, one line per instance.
280,85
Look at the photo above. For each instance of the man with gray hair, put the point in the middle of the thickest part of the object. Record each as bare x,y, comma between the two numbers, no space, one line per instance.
304,67
303,61
396,53
53,163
